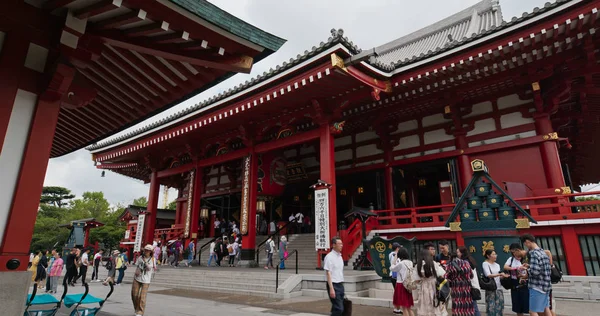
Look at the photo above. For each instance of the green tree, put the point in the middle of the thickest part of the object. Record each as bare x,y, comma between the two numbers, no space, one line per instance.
141,201
92,204
57,196
113,230
172,205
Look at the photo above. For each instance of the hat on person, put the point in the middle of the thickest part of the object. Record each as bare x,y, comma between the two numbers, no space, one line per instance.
149,247
116,252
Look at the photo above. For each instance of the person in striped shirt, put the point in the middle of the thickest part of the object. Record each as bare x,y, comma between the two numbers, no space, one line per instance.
539,277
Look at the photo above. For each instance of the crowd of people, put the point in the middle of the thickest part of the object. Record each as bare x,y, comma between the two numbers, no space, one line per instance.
526,273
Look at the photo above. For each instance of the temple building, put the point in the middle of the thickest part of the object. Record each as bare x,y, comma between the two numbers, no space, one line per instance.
394,127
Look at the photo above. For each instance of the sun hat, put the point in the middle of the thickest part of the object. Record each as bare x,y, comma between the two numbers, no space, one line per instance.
149,247
116,252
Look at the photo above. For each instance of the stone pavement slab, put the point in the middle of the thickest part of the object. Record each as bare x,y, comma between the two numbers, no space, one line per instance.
163,301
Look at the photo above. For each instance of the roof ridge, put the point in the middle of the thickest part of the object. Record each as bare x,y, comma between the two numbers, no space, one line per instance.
337,36
454,19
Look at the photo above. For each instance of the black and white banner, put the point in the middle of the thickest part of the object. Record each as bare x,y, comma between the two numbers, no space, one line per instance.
139,233
322,219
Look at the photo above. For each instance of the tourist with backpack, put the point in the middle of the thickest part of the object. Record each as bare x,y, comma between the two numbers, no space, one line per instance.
111,266
403,299
539,271
426,274
269,248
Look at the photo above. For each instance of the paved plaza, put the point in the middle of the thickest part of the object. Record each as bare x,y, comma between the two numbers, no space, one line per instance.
164,301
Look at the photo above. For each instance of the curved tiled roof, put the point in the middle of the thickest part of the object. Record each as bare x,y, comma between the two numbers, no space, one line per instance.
479,20
337,37
473,20
413,47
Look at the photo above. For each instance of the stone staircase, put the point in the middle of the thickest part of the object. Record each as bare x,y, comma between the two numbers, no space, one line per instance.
304,243
242,281
357,254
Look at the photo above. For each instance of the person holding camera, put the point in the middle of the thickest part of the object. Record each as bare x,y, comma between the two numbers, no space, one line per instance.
145,267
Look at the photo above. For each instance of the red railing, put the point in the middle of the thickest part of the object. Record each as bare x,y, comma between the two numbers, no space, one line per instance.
352,236
559,208
171,233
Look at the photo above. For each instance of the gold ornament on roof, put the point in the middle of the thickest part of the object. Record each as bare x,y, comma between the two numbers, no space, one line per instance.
481,189
487,245
505,213
466,215
566,190
522,223
506,248
455,227
494,200
473,202
485,214
472,249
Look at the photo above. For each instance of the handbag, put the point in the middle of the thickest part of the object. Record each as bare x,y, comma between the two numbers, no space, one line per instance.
555,274
507,283
475,293
488,284
347,307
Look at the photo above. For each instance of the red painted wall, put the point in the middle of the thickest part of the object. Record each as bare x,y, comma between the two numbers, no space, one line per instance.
523,165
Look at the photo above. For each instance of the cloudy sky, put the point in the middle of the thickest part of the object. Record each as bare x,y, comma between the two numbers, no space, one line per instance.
304,24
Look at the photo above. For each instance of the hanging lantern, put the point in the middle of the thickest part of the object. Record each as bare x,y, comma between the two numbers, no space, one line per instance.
296,198
310,197
260,206
343,192
361,190
204,212
102,174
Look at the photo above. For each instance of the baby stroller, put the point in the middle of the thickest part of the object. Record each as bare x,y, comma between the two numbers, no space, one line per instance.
43,299
86,299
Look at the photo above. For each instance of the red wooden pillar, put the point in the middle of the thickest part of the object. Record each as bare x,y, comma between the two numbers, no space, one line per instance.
151,210
249,242
196,201
549,153
389,187
463,164
572,250
388,181
327,166
17,229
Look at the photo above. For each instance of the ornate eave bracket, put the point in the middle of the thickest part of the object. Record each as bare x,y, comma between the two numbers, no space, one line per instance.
378,86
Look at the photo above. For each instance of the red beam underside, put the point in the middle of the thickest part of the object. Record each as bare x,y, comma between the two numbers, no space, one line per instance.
95,9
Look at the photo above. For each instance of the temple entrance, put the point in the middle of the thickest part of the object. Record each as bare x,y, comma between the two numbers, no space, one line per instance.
427,183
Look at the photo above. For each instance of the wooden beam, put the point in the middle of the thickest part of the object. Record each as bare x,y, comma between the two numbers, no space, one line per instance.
52,5
116,74
177,37
287,142
97,8
120,20
146,70
147,29
127,69
235,63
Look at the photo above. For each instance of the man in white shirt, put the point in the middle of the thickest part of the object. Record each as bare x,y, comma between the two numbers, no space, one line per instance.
292,218
300,222
211,253
334,270
270,248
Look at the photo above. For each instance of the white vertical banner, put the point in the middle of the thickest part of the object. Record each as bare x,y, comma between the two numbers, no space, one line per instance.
188,217
322,219
245,208
139,233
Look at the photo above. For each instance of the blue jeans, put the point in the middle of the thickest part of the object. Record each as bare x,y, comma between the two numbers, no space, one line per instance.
477,313
121,274
210,259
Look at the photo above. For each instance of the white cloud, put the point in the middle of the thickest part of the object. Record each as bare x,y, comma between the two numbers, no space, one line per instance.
304,24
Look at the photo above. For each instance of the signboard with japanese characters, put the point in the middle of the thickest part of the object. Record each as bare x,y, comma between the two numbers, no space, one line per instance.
139,233
188,217
322,219
245,195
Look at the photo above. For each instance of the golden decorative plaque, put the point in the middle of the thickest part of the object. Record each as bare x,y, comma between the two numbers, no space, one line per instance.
455,227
